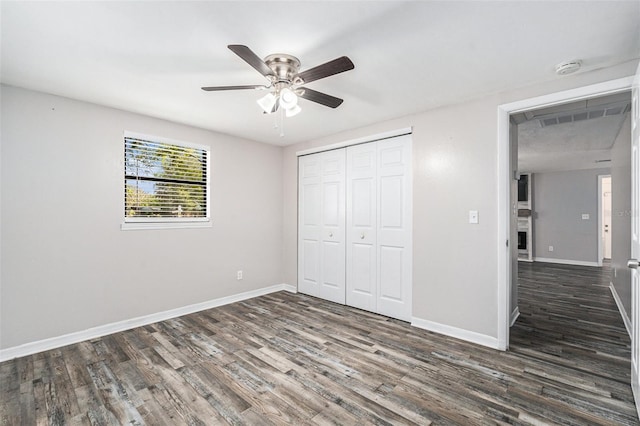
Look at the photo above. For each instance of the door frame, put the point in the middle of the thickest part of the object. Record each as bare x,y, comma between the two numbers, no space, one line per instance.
504,176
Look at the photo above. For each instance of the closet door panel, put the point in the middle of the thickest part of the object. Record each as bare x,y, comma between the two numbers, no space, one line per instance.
355,226
309,225
361,226
332,236
394,228
391,268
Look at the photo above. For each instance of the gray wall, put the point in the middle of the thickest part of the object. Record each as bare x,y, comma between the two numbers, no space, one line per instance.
621,215
455,158
560,200
67,266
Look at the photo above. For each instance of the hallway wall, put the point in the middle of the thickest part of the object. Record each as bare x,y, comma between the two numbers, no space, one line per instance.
561,198
621,216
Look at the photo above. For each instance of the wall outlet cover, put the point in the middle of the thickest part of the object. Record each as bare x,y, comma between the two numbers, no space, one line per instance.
585,216
550,248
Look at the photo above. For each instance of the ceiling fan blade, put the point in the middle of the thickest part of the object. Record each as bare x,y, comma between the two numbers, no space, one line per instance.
220,88
336,66
321,98
252,59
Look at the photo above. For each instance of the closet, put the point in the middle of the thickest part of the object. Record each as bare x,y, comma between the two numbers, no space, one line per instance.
354,226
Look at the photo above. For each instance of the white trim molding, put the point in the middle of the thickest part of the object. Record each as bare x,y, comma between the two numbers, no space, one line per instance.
514,316
623,311
290,288
365,139
103,330
565,261
458,333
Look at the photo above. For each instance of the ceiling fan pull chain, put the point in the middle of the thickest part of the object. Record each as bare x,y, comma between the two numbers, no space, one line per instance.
281,114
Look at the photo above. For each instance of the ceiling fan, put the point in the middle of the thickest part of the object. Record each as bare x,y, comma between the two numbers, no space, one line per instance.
286,81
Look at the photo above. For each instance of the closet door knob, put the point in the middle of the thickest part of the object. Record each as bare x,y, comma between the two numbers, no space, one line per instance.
362,236
330,234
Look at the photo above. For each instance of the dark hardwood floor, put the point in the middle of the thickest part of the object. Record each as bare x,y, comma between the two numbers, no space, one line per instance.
293,359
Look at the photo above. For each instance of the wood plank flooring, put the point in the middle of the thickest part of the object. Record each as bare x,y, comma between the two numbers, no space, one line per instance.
292,359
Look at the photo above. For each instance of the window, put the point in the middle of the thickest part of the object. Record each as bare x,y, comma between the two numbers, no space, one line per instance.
166,183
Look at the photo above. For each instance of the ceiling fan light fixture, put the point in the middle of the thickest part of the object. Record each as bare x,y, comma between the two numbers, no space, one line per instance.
295,110
267,102
288,99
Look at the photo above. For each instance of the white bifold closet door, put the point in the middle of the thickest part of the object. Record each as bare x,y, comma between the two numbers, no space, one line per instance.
321,247
379,227
355,226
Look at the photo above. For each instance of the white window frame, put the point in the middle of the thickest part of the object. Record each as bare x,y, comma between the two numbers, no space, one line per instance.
137,223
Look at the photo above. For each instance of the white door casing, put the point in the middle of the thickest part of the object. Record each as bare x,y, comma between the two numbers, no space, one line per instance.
635,238
321,248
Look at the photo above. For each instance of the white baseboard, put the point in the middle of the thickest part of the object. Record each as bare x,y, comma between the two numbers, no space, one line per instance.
458,333
103,330
623,312
290,288
514,316
565,261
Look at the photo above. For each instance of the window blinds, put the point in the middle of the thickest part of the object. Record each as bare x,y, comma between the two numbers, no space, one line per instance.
164,180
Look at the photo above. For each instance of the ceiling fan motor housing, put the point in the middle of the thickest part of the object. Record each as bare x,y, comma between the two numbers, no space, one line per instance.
285,67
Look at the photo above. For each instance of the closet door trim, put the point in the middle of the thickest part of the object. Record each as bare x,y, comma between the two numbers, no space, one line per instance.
371,138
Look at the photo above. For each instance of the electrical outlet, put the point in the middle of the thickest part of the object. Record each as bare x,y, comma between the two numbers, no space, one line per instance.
239,275
550,248
585,216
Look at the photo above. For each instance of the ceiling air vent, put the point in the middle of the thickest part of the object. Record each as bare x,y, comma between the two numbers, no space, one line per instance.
613,111
583,115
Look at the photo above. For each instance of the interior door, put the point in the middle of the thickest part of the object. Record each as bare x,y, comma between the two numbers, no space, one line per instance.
606,217
394,211
321,245
635,239
361,226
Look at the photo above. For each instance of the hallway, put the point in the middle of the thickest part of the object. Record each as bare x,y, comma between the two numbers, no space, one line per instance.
570,326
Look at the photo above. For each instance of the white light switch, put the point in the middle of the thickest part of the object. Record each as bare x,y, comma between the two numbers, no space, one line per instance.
473,216
585,216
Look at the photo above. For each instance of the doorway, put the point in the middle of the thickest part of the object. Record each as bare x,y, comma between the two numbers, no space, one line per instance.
506,210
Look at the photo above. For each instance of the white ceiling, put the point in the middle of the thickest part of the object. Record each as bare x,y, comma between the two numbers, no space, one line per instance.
153,57
574,145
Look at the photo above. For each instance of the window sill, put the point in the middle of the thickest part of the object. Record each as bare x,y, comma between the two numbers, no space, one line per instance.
136,226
